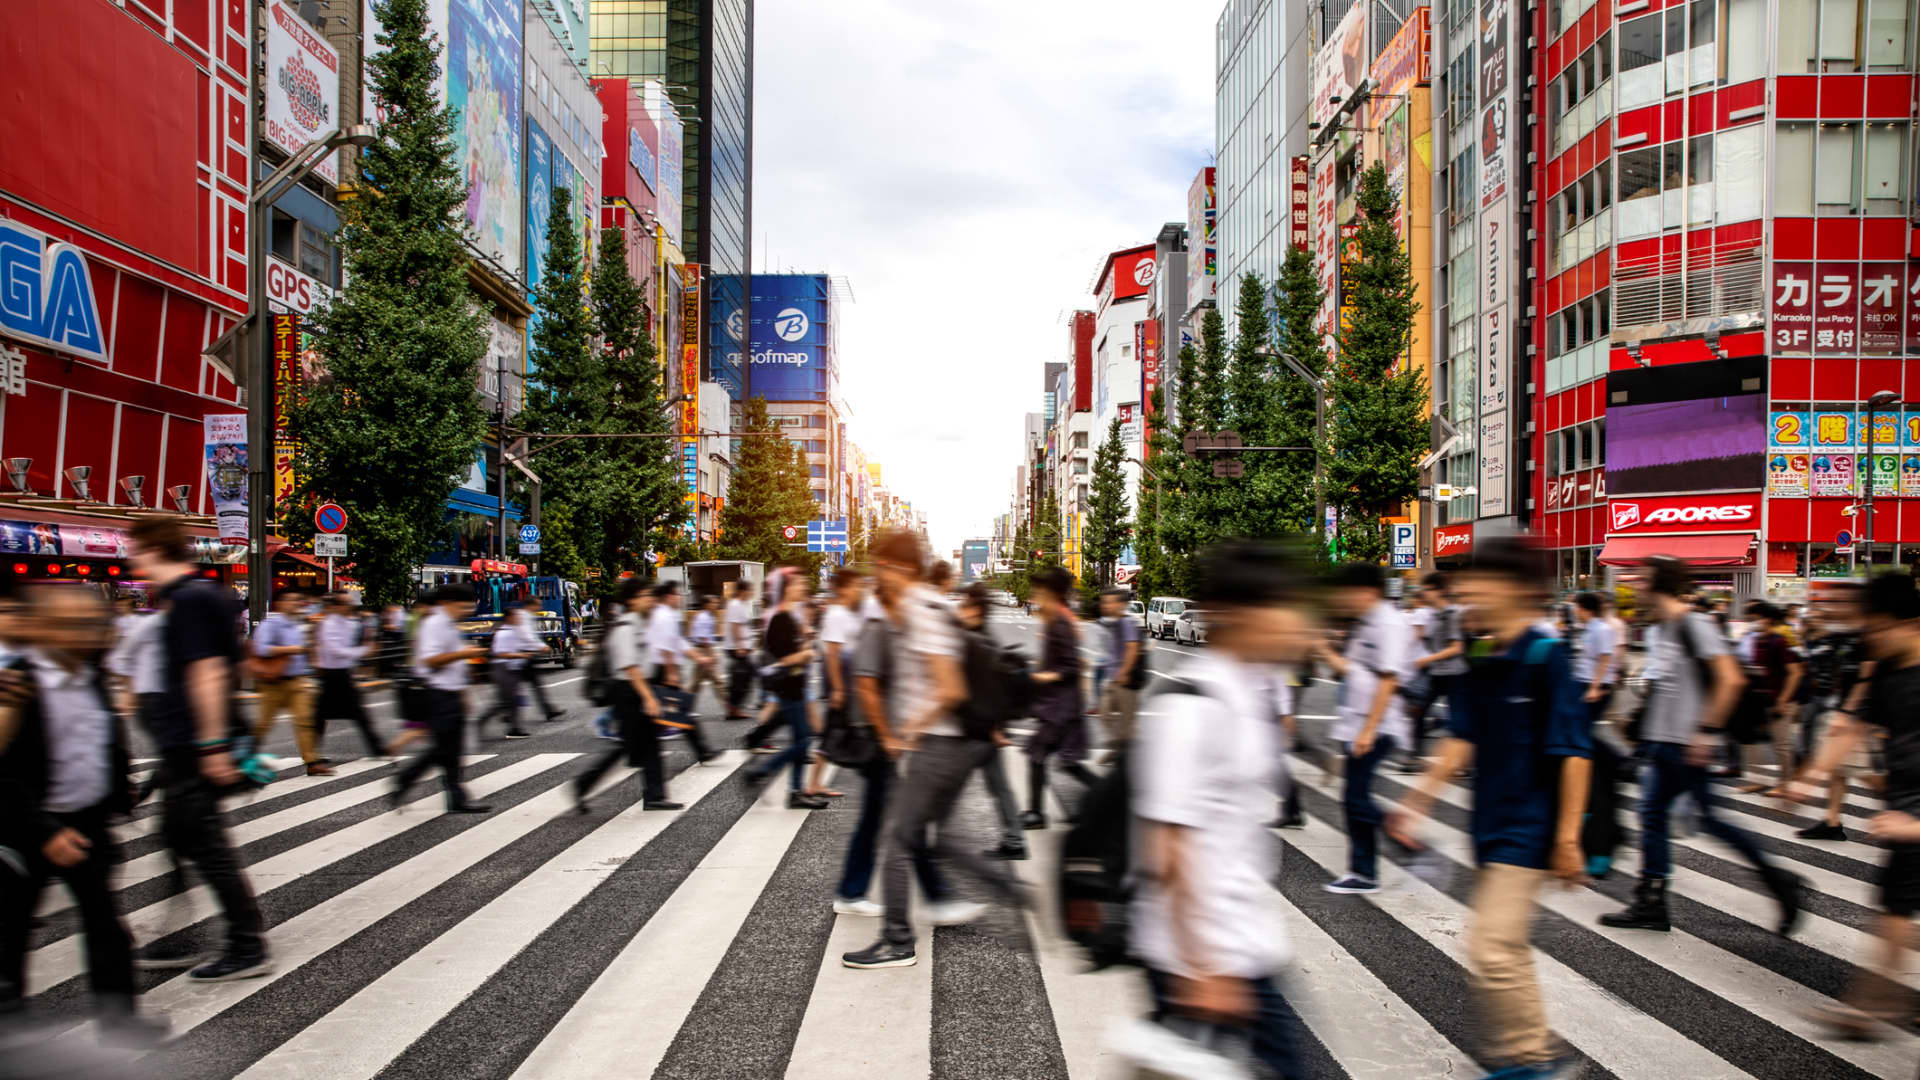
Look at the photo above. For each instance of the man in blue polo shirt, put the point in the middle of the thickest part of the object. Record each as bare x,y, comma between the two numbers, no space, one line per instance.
1518,718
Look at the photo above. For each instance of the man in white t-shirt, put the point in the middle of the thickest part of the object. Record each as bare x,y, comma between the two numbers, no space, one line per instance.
1204,768
1373,717
739,643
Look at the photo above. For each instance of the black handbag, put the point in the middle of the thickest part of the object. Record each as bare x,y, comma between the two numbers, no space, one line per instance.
847,742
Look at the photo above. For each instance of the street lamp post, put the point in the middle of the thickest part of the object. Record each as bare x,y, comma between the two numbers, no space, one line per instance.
258,364
1877,403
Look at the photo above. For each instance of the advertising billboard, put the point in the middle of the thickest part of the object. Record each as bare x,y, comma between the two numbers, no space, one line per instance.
1340,64
48,296
539,199
1202,245
1698,444
482,62
302,86
1147,348
568,19
1300,213
1497,345
690,289
224,442
1128,274
792,337
670,161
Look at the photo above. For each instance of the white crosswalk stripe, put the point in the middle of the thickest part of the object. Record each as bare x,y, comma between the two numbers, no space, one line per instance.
478,904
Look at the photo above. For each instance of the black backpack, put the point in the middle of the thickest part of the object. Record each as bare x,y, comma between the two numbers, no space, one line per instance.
1095,889
599,674
998,685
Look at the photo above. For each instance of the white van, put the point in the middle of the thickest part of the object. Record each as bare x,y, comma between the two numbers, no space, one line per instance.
1162,613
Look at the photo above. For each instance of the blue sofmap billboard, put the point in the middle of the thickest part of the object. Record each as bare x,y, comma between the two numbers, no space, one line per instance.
792,355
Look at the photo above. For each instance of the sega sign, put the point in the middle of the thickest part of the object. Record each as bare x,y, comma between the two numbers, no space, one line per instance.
46,295
640,156
1685,514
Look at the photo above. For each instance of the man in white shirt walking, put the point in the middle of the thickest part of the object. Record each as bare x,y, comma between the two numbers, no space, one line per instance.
635,708
1373,718
440,660
513,645
739,641
668,652
339,647
1204,767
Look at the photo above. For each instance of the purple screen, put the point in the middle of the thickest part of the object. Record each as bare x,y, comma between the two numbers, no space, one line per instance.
1706,444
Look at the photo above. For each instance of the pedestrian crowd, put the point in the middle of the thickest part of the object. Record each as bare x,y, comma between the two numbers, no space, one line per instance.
1537,715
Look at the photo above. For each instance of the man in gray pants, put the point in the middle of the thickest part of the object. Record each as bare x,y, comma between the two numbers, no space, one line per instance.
931,682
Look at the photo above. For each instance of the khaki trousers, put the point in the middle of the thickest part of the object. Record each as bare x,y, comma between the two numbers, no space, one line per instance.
291,695
1501,961
1118,711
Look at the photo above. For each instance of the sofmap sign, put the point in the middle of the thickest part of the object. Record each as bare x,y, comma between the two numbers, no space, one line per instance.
45,293
1685,514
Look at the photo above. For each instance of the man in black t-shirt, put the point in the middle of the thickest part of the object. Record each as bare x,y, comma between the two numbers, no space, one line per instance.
1892,635
192,730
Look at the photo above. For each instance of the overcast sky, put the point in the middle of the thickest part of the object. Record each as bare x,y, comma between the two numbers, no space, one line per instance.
967,165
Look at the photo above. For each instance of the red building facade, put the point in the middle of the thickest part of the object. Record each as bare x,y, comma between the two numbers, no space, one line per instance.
149,196
1724,282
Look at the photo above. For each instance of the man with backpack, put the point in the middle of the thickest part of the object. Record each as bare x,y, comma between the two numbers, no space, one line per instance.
619,672
946,737
1686,715
1061,729
1204,767
1435,672
1373,715
1520,721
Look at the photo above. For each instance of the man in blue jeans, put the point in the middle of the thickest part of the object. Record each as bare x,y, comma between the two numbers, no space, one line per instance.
1373,718
1687,710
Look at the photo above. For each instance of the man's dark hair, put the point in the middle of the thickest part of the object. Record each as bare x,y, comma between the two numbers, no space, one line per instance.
1517,558
1589,602
1437,581
846,578
453,593
163,536
974,595
1360,575
899,548
1055,580
665,589
629,588
1251,573
940,574
1668,576
1118,592
1893,595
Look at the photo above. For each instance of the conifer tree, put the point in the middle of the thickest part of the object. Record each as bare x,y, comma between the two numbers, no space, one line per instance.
1107,512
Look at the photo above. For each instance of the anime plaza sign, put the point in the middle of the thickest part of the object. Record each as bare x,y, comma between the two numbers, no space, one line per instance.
46,296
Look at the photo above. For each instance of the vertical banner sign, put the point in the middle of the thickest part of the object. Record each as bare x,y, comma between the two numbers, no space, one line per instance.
1496,283
690,386
289,386
1298,210
225,439
1326,242
1149,352
302,86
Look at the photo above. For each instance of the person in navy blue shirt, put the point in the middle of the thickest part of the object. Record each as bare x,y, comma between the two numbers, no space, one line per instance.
1518,718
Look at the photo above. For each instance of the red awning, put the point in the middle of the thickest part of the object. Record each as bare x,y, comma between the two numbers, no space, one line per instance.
1724,549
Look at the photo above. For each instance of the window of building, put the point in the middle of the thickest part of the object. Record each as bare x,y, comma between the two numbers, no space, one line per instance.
1638,193
1743,45
1641,77
1792,169
1079,440
1739,190
1836,183
1886,163
1887,34
818,472
1839,35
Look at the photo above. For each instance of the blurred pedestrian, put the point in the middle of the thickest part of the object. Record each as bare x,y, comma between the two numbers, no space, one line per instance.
513,645
64,773
340,647
1522,722
788,654
933,684
1839,670
1686,715
1774,670
1435,670
1204,769
442,658
635,708
668,652
192,725
739,641
1373,717
1126,666
1060,730
283,677
840,630
1877,997
703,649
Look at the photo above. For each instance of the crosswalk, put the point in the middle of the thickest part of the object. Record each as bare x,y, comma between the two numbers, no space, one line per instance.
536,944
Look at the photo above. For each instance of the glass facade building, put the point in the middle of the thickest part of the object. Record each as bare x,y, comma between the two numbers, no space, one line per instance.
1262,53
702,51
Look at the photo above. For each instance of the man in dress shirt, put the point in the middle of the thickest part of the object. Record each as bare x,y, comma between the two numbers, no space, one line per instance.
667,648
1373,716
286,679
513,645
339,647
63,773
706,639
739,637
440,656
634,707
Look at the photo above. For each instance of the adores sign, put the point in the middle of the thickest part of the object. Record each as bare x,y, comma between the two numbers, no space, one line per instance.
1685,514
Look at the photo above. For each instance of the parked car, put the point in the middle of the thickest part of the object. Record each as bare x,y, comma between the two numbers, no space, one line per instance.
1137,611
1190,628
1161,613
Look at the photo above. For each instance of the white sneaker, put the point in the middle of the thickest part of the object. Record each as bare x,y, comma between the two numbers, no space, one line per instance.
954,912
862,907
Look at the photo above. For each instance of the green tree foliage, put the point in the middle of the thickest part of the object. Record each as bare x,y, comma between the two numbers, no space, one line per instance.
769,491
1194,506
1299,297
395,424
1379,430
1154,578
1260,502
1107,512
1049,537
638,497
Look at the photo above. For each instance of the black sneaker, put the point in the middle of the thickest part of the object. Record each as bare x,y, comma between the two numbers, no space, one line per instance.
662,804
233,966
800,800
470,808
158,957
881,954
1291,821
1033,820
1822,831
1007,851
